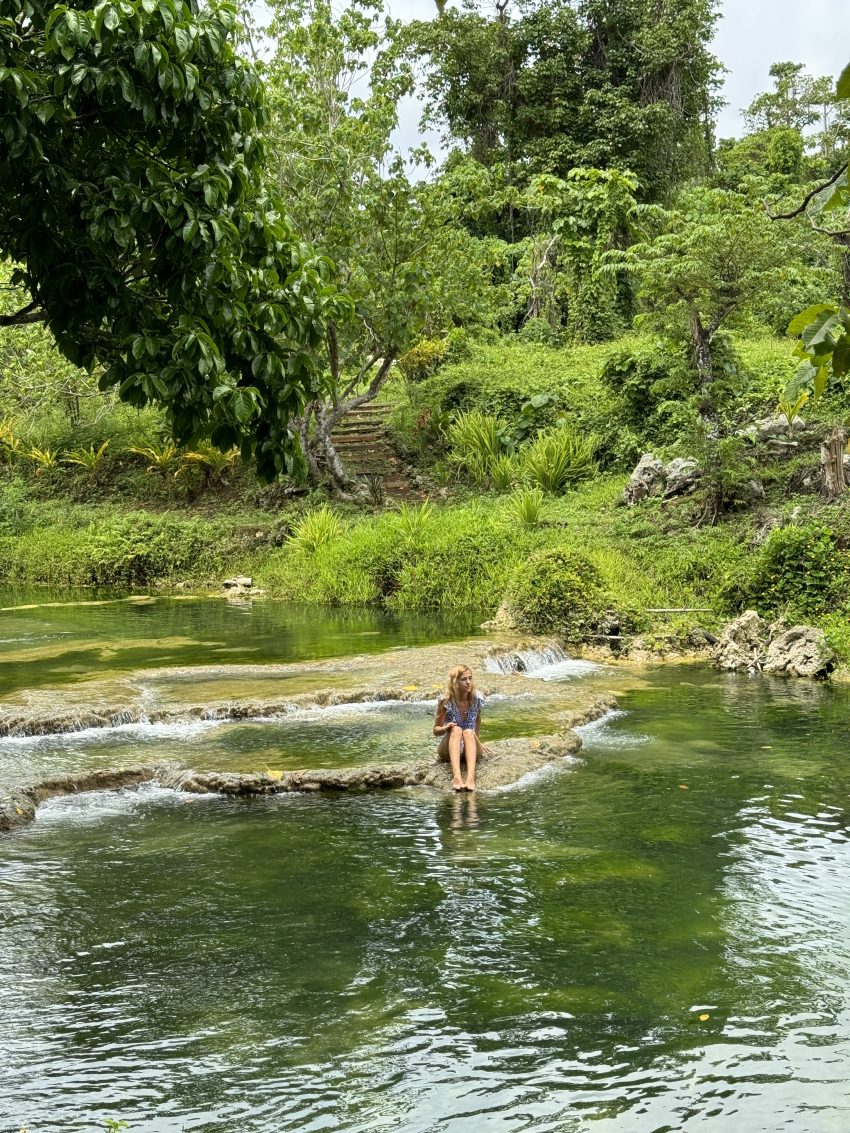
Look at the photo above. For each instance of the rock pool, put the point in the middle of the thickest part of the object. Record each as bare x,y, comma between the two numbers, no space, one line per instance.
653,935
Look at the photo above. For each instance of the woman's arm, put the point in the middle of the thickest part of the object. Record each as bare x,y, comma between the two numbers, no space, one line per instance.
441,726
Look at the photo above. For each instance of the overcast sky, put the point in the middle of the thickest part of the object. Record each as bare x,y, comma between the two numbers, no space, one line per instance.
751,35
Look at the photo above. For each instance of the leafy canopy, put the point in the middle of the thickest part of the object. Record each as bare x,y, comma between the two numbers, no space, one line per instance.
133,202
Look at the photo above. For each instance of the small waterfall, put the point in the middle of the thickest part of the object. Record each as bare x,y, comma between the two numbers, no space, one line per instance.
550,663
525,660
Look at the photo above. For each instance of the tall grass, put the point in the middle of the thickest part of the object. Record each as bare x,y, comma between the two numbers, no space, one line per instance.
315,529
474,444
524,507
557,459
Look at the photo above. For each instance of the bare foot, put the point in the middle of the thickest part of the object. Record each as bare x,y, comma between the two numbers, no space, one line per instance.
457,785
469,786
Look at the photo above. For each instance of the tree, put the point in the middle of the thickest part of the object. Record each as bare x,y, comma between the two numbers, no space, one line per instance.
789,104
580,219
133,203
335,82
714,258
622,84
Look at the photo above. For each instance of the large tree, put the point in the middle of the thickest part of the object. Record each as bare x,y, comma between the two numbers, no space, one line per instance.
132,200
625,84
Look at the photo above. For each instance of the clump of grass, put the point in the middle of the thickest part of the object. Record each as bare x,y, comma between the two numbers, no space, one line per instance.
524,507
474,444
316,529
414,521
558,458
502,473
91,459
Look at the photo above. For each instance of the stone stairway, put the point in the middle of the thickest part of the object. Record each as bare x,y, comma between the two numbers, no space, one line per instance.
363,443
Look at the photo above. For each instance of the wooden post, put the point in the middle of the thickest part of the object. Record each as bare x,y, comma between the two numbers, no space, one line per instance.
833,480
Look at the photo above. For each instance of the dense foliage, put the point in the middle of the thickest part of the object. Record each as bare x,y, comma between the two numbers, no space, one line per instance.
135,205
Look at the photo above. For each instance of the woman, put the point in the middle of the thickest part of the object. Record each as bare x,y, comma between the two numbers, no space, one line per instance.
458,723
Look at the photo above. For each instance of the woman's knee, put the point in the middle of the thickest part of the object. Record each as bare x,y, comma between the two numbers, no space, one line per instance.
469,737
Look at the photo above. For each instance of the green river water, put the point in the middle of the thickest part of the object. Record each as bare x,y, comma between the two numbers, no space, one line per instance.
651,937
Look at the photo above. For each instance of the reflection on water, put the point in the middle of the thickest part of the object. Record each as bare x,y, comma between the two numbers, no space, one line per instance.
652,937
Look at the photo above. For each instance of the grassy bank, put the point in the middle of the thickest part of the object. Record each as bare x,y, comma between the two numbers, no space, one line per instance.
564,552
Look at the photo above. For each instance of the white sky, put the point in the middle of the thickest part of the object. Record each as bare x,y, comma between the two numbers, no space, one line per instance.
751,35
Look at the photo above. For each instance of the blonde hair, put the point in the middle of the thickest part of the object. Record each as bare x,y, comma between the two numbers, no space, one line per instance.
452,690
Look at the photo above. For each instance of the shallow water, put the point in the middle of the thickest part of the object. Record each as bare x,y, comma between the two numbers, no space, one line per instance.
652,937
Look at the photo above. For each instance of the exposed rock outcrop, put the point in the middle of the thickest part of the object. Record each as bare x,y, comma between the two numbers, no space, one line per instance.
646,480
506,762
752,644
742,643
652,477
801,651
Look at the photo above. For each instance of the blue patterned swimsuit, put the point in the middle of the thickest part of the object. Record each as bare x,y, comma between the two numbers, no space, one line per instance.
469,720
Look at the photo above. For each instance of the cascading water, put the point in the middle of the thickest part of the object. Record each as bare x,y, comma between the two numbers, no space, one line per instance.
549,662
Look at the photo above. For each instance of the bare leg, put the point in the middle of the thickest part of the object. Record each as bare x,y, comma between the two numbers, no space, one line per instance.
454,756
470,751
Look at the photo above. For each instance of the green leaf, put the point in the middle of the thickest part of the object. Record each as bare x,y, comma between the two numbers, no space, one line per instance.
842,87
799,323
820,382
819,331
841,357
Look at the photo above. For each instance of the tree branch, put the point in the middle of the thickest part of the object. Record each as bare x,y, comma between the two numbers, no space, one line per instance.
32,313
809,197
367,395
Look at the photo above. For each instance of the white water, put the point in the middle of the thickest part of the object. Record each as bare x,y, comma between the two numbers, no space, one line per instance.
549,664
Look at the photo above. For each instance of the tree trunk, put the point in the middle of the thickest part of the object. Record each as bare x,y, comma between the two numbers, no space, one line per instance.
701,340
337,469
833,480
303,426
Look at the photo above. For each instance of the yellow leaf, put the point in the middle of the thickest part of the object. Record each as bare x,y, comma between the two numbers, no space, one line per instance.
410,688
703,1018
683,786
18,810
276,775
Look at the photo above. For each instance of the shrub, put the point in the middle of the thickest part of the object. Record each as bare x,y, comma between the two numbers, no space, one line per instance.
138,549
558,591
127,551
797,568
423,359
639,376
557,459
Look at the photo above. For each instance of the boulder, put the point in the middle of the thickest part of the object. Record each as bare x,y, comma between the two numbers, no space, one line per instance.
801,651
652,477
240,582
680,476
770,428
742,643
646,480
750,643
502,621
